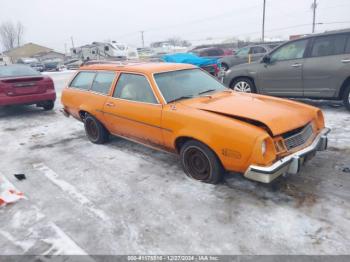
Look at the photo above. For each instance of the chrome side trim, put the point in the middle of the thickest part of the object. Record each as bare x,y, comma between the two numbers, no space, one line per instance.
290,164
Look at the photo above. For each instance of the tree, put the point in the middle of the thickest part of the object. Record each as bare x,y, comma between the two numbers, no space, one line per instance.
11,35
177,41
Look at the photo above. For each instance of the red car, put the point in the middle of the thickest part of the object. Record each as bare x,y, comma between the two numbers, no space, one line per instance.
22,85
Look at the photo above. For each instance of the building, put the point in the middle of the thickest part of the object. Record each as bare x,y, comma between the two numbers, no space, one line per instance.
4,60
32,50
51,55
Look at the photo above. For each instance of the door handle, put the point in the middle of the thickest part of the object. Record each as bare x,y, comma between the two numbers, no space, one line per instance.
296,65
345,61
110,104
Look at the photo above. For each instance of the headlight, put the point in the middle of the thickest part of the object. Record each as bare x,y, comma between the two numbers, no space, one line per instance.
263,147
228,71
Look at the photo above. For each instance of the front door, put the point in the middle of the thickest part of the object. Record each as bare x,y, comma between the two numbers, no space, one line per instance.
133,110
282,76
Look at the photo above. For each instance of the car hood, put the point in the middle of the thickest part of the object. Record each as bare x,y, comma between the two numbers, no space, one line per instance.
278,115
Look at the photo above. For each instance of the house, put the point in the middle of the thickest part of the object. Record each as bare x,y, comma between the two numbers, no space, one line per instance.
31,50
51,55
4,60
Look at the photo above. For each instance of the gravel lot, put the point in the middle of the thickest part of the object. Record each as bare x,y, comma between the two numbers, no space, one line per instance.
123,198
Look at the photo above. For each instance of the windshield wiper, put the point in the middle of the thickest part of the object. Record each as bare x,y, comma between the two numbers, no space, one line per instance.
180,98
207,91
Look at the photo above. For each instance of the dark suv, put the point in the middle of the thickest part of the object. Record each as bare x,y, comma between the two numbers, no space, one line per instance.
316,66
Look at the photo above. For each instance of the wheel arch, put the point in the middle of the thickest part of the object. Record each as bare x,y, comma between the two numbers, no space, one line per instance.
345,84
244,76
181,140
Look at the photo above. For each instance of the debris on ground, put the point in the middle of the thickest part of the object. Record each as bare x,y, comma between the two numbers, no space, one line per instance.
20,176
8,193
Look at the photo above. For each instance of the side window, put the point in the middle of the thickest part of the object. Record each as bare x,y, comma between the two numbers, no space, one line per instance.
294,50
347,48
243,52
102,82
328,45
83,80
258,50
135,88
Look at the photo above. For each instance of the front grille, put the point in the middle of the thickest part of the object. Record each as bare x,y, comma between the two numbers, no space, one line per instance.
299,138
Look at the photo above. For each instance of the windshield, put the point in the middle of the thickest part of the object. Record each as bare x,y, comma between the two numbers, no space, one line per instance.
175,85
17,70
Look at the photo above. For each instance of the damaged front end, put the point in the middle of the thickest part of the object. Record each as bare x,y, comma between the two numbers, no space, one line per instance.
293,150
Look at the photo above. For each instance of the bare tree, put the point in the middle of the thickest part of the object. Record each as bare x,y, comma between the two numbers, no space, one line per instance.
177,41
11,35
19,33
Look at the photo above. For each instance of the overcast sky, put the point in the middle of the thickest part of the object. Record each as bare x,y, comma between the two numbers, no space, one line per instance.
53,22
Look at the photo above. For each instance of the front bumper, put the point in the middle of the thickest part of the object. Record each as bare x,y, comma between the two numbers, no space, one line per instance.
290,164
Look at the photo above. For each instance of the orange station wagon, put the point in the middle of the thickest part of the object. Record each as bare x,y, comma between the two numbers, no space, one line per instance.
181,109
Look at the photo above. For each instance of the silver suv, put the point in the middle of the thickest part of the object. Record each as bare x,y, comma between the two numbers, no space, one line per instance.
316,66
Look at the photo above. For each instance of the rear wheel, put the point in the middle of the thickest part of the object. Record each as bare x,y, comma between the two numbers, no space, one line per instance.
49,105
200,162
346,97
95,131
244,85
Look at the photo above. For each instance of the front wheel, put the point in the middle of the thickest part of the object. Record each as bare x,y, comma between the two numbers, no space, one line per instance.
244,85
346,97
95,131
200,162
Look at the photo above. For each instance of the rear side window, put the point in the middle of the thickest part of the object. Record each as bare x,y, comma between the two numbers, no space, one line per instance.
347,48
102,82
258,50
83,80
328,45
135,88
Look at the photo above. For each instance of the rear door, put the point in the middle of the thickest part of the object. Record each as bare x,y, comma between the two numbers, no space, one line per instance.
88,92
327,66
133,110
282,76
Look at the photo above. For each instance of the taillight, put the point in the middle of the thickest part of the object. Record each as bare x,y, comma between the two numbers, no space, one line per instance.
48,82
217,69
2,88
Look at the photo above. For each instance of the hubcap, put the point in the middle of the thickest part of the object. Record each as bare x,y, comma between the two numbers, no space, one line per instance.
242,86
92,129
197,164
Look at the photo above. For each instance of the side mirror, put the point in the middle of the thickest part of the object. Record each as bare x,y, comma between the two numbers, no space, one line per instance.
266,59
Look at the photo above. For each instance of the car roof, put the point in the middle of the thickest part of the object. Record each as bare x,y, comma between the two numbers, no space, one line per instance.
141,67
332,32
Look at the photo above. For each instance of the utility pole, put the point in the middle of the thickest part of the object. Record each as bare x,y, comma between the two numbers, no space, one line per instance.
263,23
314,6
71,38
65,48
143,40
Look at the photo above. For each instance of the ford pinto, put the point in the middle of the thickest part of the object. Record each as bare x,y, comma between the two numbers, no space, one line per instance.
181,109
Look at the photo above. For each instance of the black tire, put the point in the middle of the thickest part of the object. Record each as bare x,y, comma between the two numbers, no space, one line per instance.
225,67
49,105
200,162
95,131
243,81
346,97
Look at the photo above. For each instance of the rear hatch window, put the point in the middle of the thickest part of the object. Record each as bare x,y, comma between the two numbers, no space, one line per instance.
17,71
